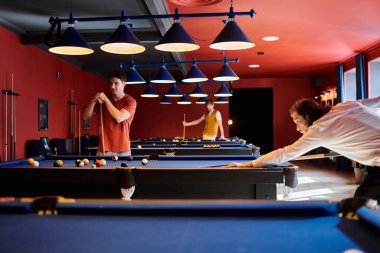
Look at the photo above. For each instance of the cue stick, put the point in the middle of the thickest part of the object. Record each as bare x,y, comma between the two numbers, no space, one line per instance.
6,126
14,146
300,158
12,119
101,126
184,127
316,156
74,126
79,140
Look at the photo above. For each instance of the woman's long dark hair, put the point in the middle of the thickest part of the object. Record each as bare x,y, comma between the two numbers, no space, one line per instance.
309,109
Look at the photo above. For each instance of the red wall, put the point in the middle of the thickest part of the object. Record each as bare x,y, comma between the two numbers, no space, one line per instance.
34,74
35,77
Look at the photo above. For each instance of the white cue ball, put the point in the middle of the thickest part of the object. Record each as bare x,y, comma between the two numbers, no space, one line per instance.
139,146
144,161
36,164
115,158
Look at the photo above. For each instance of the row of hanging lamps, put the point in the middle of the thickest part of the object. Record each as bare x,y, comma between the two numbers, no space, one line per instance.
123,40
198,92
185,100
176,39
71,42
232,36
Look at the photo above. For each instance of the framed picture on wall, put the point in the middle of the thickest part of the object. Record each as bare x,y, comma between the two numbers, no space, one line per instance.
43,114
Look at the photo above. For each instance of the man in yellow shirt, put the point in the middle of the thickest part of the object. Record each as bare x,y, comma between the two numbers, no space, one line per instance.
213,121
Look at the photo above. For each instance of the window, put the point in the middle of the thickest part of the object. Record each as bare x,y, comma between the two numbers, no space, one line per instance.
374,78
350,85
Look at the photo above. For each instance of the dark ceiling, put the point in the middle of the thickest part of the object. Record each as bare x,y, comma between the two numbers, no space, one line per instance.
314,35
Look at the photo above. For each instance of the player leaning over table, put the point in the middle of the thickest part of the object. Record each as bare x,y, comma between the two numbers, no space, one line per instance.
118,111
351,129
213,121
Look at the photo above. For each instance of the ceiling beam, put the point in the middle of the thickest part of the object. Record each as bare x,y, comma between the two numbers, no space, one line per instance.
91,37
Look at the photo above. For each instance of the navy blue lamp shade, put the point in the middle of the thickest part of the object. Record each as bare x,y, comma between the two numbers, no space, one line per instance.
201,100
223,92
133,77
221,100
232,38
176,39
71,43
150,92
165,101
194,75
163,76
184,100
174,92
226,74
123,41
198,92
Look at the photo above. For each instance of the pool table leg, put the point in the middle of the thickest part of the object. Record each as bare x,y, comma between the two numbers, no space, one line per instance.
125,178
127,193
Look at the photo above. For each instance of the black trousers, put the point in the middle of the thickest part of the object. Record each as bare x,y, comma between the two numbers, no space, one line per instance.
370,188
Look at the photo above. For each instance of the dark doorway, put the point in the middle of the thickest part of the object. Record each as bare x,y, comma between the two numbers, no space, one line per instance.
251,111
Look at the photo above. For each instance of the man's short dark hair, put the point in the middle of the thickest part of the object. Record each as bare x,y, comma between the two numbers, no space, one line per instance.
210,101
120,75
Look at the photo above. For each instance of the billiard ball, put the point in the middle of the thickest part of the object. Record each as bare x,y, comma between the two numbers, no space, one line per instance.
93,166
58,163
104,162
98,163
31,161
139,146
144,161
36,164
85,161
124,164
115,158
77,162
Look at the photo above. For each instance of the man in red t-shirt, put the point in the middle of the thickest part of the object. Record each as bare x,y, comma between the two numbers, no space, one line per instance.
118,110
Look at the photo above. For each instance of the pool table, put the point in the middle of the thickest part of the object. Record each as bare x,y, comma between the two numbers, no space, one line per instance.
202,227
193,140
170,177
193,150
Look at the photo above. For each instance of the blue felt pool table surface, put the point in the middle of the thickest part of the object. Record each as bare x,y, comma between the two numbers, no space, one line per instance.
188,227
